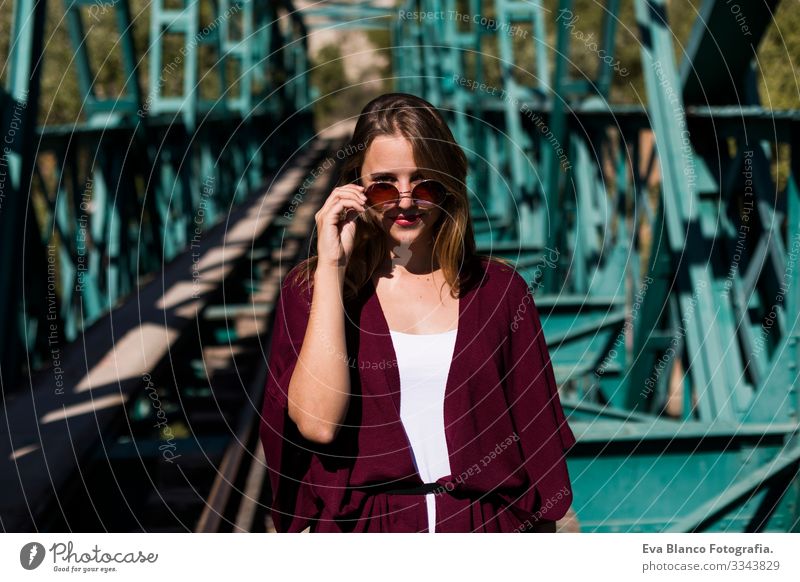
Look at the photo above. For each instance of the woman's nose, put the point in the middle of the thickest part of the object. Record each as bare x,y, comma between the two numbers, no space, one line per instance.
404,188
405,199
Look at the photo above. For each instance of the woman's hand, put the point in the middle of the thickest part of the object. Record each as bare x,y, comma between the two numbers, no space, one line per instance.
336,227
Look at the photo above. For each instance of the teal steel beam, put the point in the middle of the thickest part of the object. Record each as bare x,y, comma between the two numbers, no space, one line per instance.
772,358
551,163
20,107
622,426
610,20
130,101
700,313
654,474
721,46
738,493
526,184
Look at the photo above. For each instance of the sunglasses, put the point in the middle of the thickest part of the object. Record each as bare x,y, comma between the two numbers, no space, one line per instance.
426,194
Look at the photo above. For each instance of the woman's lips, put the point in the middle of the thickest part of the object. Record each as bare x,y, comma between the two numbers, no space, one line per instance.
407,220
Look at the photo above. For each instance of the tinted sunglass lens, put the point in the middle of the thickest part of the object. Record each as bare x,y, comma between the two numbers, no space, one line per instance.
430,191
380,193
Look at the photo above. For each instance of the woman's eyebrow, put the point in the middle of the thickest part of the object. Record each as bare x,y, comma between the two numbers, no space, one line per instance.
372,175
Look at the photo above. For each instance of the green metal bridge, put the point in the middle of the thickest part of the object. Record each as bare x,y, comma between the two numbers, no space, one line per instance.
662,240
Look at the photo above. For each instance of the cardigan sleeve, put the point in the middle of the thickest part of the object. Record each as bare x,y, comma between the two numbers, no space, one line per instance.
288,454
535,407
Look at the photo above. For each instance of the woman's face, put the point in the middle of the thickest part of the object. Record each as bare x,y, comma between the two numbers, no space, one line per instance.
390,158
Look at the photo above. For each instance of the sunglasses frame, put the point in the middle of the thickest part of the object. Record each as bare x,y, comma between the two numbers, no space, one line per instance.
424,203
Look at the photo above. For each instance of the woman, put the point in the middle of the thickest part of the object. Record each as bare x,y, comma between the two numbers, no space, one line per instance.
410,388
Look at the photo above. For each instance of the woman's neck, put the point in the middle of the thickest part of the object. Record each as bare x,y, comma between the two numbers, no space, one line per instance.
414,261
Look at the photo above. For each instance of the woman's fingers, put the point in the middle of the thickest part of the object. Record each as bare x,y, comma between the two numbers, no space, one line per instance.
342,199
335,242
341,208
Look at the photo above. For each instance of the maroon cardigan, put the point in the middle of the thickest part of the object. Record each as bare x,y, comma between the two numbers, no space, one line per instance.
504,425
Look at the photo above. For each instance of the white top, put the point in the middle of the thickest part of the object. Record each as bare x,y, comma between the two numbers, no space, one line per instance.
423,361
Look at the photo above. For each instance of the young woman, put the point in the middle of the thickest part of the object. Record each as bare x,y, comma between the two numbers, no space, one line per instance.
410,388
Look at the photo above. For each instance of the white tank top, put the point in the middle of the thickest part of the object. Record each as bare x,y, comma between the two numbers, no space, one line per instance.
423,361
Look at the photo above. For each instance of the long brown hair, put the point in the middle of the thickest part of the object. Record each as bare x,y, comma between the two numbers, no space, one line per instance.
439,157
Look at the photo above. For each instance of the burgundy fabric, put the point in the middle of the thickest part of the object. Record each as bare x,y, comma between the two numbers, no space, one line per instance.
504,425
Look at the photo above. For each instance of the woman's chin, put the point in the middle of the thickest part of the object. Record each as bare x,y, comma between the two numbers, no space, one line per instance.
407,234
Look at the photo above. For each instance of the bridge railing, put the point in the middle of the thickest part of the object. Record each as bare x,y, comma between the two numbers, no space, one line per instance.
94,208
